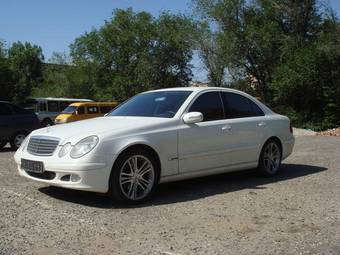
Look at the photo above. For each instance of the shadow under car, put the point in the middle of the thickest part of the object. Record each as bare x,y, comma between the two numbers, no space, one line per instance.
189,190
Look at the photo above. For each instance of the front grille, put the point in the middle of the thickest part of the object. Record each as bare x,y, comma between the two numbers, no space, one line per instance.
42,145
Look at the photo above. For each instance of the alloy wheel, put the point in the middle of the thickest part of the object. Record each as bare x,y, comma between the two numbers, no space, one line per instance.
137,176
18,139
272,157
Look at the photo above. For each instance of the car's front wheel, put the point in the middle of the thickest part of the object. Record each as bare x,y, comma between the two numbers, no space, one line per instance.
270,158
134,176
17,139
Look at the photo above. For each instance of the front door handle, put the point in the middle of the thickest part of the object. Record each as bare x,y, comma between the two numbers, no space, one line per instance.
262,124
226,128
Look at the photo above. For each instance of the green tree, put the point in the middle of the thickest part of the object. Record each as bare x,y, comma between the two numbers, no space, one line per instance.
284,51
134,52
6,79
25,62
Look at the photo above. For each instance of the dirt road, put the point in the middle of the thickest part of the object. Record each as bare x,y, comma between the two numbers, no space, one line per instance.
297,212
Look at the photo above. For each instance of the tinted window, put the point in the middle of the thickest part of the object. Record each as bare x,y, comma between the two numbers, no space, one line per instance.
210,105
238,106
5,110
19,110
105,109
53,106
81,110
163,104
92,109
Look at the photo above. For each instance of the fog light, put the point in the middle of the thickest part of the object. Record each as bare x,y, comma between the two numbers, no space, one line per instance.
75,178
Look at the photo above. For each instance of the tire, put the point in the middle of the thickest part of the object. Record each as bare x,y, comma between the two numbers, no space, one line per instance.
2,145
17,139
270,158
47,122
131,187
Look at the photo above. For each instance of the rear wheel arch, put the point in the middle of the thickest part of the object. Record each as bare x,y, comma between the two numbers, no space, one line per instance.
276,139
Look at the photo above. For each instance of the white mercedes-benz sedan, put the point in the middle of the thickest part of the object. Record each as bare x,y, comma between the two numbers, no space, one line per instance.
155,137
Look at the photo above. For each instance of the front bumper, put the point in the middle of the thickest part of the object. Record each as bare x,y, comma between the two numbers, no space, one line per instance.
90,176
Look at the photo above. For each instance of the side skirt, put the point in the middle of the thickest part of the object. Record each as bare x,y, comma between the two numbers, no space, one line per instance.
206,172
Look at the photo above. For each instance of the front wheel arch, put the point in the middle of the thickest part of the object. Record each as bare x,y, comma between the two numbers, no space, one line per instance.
142,148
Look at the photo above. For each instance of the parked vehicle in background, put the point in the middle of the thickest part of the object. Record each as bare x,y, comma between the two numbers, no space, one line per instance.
84,110
15,124
159,136
47,108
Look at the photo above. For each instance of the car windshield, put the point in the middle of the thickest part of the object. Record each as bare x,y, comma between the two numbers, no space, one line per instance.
162,104
70,109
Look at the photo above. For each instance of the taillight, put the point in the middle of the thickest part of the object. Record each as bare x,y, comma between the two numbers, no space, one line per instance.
290,127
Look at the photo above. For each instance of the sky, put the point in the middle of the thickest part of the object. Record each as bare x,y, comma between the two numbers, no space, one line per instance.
54,24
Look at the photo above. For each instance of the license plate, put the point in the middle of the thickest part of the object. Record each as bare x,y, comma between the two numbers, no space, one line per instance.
32,166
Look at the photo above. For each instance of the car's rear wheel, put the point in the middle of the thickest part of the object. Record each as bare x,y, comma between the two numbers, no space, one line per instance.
17,139
270,158
2,144
134,176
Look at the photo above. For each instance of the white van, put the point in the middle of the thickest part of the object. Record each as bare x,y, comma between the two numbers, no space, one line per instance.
47,108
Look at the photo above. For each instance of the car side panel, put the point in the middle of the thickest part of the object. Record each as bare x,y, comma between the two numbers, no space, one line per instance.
163,142
278,126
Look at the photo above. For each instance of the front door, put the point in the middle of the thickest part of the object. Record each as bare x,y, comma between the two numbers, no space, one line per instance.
204,145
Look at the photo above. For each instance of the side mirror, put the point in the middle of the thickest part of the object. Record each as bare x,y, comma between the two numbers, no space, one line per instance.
192,117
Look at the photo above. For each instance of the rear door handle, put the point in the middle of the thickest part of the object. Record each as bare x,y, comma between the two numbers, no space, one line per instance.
262,124
226,128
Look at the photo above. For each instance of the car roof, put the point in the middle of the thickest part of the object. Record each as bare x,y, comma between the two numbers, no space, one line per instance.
94,103
196,89
61,99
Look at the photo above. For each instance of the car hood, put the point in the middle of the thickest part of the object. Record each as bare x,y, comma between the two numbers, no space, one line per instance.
72,132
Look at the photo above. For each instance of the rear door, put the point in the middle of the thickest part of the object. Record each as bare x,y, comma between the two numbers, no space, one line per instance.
247,127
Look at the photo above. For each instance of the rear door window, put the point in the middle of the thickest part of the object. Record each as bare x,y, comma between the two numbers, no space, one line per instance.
238,106
210,105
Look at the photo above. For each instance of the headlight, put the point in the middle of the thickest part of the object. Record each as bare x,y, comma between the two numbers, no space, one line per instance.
84,146
64,150
60,121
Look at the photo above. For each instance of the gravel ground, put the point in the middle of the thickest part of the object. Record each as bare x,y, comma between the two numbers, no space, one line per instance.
296,212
